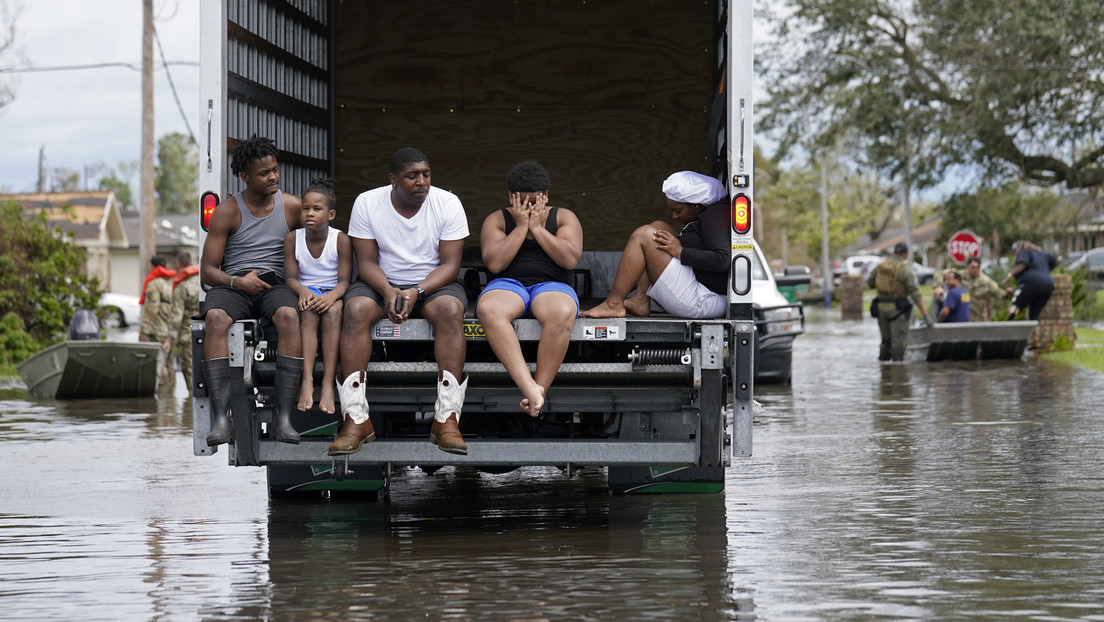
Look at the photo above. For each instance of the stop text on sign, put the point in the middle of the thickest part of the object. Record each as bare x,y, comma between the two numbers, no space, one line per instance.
963,245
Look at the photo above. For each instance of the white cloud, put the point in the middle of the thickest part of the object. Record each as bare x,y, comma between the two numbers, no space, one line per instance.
88,116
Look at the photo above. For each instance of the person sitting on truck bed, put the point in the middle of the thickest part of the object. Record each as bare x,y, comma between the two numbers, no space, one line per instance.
243,264
531,249
408,238
318,264
686,273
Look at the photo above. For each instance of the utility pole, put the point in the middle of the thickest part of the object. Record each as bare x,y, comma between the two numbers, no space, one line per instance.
906,182
41,169
825,263
147,243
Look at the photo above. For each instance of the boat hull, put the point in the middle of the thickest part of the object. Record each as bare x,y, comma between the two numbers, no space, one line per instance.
93,369
967,341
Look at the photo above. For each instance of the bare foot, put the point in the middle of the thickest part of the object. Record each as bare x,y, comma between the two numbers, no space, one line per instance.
606,309
326,399
640,306
533,403
306,394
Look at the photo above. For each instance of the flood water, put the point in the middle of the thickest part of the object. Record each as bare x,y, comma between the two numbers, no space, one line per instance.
948,491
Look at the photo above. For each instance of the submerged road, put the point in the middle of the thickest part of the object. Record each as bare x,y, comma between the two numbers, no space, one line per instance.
945,491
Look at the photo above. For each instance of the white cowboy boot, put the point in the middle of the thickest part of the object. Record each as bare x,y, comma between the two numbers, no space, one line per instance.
356,427
445,431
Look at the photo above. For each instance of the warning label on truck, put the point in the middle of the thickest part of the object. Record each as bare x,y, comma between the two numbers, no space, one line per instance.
601,332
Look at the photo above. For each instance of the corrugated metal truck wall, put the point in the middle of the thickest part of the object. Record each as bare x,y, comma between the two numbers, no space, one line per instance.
279,61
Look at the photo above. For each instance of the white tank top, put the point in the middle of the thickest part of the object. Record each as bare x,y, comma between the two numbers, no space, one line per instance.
317,271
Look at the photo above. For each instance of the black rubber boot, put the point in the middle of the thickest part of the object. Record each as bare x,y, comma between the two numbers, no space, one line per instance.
216,373
288,372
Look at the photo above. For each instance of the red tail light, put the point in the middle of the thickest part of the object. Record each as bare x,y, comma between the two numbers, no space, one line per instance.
207,203
741,214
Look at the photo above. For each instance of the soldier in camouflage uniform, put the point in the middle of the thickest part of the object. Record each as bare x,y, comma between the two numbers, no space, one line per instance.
896,285
185,304
156,302
984,291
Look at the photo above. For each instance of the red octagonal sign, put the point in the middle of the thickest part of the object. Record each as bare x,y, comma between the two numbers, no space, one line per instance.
963,245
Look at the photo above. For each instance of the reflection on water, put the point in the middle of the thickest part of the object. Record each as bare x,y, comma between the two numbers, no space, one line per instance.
509,549
931,491
877,491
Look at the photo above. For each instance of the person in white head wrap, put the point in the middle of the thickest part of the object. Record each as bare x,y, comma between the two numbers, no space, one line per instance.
685,272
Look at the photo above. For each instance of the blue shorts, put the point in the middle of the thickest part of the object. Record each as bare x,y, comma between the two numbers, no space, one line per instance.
318,291
527,294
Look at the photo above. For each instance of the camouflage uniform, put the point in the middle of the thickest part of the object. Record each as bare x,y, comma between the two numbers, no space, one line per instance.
155,310
185,304
984,292
155,316
893,322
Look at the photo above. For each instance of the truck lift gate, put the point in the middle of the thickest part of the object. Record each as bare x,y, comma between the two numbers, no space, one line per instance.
672,417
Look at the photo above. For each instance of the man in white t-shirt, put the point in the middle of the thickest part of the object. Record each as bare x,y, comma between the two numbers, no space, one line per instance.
409,239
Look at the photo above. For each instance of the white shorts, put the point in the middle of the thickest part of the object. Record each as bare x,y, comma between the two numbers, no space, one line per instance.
680,294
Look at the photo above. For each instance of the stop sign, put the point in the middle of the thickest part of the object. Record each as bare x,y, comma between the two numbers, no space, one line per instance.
963,245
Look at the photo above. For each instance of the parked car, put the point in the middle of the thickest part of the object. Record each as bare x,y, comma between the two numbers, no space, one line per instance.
1092,261
777,320
119,311
1066,260
855,263
923,273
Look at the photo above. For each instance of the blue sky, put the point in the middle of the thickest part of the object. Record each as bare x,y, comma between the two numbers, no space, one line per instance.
89,116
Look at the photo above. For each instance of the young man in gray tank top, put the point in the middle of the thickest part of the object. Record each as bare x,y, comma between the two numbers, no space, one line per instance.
243,265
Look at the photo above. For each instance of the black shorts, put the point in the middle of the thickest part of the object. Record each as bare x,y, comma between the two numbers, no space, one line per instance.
1033,298
454,289
240,305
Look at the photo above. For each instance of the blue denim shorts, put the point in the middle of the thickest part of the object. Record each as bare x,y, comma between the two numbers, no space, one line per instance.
527,294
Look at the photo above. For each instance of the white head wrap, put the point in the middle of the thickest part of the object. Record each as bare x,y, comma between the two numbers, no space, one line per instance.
694,188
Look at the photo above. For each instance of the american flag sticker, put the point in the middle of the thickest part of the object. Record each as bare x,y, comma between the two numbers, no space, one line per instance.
383,332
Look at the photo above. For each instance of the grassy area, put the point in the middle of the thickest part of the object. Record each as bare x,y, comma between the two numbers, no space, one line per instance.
1089,352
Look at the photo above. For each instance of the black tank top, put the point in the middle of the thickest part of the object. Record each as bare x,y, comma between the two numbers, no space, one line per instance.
532,265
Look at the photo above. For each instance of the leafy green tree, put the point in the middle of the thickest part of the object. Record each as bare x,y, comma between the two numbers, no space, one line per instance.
15,343
116,179
42,277
123,193
858,205
177,174
1011,88
65,180
1015,211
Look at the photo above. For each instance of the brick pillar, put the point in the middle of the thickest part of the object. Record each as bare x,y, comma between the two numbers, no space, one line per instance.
850,295
1056,320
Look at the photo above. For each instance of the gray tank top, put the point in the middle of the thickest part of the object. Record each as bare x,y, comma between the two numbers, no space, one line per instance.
258,244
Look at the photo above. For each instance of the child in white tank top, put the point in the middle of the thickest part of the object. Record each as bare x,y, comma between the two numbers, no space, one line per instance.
318,266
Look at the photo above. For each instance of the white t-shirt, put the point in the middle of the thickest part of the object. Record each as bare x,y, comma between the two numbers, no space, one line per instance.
409,248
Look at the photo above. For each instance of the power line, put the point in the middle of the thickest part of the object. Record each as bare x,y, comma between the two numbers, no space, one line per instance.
172,87
132,66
